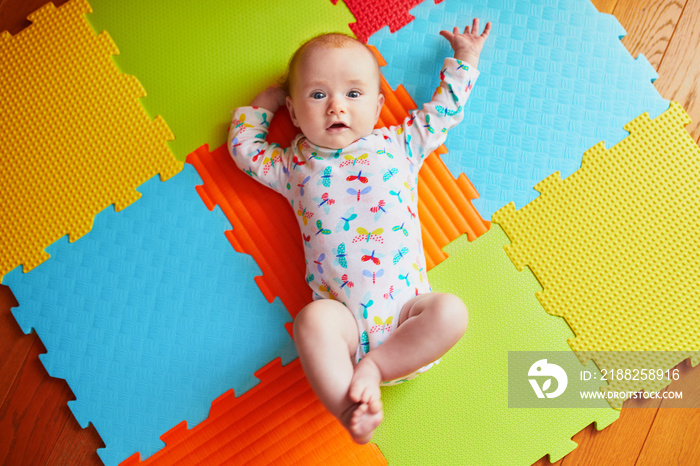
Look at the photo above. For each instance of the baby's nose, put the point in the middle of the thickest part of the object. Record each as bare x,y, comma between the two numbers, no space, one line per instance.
336,106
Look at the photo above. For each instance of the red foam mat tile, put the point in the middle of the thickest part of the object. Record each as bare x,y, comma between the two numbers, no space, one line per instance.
372,15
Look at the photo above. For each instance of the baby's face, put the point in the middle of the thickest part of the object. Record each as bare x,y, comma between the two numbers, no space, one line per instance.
335,97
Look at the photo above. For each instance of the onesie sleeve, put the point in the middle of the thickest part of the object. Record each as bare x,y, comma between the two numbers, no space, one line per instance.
425,130
266,162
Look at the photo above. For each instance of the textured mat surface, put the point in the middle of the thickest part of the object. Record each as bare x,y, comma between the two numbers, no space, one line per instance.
74,137
457,412
594,241
555,80
199,60
372,15
150,317
279,422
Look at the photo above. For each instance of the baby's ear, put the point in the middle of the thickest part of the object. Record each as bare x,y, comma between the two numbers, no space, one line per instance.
290,107
380,104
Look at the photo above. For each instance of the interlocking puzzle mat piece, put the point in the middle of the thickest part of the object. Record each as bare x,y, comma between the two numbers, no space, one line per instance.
199,60
279,422
555,79
371,16
150,317
457,412
594,243
73,135
265,227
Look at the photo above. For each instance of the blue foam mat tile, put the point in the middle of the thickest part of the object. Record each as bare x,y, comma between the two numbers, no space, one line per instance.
151,316
555,80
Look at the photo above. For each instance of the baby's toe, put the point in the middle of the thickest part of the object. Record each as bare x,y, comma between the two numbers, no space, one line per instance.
359,393
355,393
358,414
375,406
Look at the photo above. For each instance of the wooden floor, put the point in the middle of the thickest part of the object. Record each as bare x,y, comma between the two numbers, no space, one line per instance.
36,426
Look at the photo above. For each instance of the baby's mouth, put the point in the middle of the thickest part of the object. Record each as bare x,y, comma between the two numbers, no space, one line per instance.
338,126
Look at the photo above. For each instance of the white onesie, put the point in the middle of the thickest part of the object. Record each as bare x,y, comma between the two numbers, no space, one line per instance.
357,207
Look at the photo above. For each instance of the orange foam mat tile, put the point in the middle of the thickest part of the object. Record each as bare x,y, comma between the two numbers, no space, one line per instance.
74,137
280,422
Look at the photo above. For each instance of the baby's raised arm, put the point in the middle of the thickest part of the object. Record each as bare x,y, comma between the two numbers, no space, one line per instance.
468,45
425,129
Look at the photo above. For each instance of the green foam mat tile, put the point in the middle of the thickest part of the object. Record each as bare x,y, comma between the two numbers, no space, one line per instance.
198,60
457,412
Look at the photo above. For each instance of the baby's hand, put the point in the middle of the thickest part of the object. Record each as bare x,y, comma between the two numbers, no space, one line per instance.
467,46
271,98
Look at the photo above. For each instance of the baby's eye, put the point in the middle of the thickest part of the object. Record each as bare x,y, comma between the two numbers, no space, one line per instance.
318,95
354,94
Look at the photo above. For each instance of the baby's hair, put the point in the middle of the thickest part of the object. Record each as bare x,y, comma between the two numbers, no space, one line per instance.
330,40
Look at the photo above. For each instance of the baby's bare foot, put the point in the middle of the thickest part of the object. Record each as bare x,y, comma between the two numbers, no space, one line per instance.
364,391
364,420
364,385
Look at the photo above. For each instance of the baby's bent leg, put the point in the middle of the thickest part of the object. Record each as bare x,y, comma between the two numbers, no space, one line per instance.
429,325
326,337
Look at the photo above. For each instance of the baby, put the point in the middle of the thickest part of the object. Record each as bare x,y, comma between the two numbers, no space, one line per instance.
374,319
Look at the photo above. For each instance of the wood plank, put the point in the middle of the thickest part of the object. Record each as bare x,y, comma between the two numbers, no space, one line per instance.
34,413
14,344
37,425
649,25
667,33
76,446
649,432
673,438
621,442
13,13
679,71
605,6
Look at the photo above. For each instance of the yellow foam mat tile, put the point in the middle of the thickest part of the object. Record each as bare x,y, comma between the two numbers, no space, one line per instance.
74,137
615,247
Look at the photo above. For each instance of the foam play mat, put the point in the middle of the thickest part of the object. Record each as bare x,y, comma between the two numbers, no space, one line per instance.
280,421
169,314
468,386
